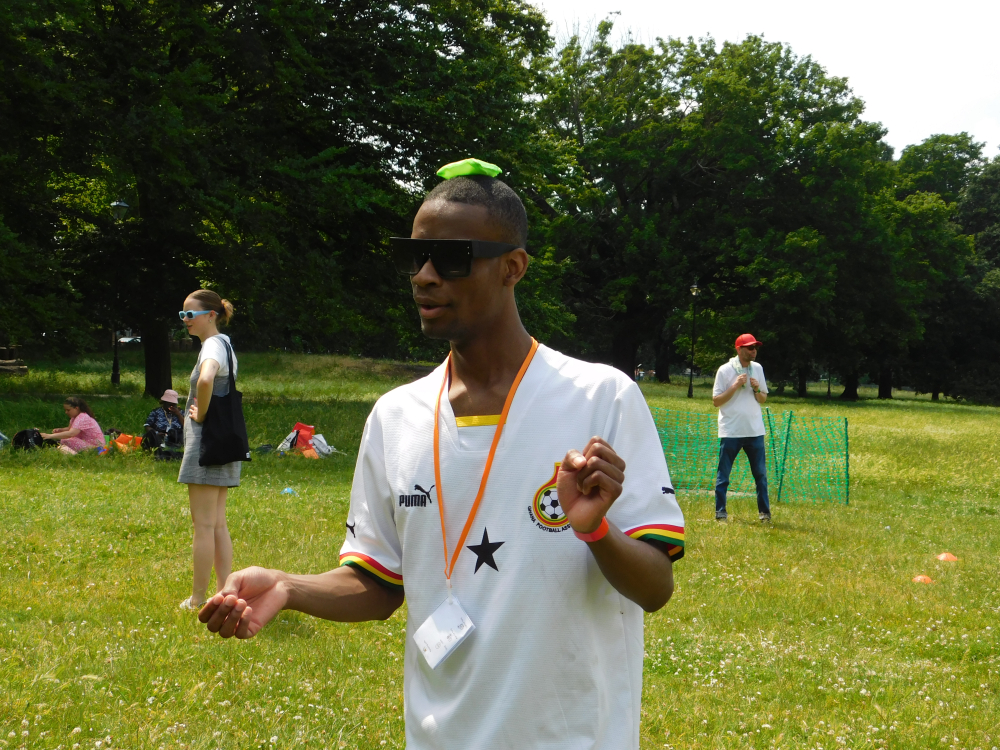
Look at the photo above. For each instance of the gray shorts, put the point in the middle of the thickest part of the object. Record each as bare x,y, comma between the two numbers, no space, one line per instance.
226,475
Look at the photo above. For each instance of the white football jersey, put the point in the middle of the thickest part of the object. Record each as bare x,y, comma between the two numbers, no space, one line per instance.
555,660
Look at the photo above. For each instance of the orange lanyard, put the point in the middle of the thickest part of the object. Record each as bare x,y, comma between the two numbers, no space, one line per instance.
449,568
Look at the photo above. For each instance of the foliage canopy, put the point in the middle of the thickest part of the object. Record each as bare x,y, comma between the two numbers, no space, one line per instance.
269,149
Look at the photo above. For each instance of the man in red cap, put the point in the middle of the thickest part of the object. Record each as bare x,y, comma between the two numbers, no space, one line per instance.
739,391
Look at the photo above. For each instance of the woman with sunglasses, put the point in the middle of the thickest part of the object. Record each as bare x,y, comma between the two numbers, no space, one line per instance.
203,312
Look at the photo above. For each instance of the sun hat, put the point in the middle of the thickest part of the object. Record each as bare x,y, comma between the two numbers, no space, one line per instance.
747,339
169,395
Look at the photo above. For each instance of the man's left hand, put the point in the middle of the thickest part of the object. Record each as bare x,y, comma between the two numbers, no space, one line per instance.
755,384
589,483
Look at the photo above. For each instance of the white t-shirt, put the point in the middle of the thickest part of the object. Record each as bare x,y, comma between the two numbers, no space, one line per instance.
740,416
214,348
556,658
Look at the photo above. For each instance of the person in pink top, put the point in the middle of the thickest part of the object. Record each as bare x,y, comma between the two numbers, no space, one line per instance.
83,431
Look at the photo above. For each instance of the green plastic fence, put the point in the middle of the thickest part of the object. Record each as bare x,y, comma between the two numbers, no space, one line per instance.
807,457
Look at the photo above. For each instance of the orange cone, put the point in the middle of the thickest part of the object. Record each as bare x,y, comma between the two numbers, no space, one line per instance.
947,557
923,579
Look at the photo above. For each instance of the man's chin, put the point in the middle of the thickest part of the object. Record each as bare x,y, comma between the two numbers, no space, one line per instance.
435,329
440,330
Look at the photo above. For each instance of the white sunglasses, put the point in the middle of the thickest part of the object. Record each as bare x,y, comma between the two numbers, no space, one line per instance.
192,314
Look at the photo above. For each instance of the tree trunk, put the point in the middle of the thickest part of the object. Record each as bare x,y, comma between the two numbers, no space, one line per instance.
935,394
850,392
885,382
156,349
802,389
623,351
663,349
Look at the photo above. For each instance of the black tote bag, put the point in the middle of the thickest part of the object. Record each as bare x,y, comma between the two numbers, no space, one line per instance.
224,432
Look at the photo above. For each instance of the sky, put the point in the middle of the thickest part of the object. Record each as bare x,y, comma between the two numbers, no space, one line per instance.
921,67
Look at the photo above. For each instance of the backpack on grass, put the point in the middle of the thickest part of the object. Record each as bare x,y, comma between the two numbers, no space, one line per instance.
25,440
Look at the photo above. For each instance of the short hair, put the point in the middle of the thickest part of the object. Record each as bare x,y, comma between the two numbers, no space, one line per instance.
505,208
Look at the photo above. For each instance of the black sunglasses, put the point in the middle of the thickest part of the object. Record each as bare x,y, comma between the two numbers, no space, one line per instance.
452,259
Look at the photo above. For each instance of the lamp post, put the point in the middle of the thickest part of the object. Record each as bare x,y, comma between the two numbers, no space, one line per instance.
695,291
118,210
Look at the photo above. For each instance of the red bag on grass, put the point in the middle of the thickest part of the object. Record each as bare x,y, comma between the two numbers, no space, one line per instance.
305,439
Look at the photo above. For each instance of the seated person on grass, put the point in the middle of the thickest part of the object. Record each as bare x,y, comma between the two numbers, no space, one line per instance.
530,556
83,432
165,424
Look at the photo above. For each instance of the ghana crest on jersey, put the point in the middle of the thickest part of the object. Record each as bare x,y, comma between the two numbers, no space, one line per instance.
545,511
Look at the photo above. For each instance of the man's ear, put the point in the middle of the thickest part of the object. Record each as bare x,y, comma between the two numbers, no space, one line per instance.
515,265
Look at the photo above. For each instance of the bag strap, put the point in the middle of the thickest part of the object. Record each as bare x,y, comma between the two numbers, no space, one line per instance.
229,362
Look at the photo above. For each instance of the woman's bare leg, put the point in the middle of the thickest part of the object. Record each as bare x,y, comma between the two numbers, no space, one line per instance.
223,544
204,499
66,449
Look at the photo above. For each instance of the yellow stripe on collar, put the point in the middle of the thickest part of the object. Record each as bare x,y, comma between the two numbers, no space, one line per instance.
491,420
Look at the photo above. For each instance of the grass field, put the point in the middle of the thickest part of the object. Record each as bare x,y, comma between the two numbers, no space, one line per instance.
805,634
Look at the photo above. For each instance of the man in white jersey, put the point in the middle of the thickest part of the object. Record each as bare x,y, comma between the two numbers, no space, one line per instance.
739,391
519,496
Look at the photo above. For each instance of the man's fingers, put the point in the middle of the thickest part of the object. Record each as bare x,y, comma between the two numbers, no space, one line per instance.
222,611
243,631
232,584
596,440
602,482
599,466
228,629
604,451
208,609
574,460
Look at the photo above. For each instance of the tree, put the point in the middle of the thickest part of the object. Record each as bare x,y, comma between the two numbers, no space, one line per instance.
979,212
266,150
610,118
932,177
745,167
941,164
974,311
37,304
937,260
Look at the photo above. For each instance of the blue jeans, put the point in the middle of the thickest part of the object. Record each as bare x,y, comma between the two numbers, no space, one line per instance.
729,449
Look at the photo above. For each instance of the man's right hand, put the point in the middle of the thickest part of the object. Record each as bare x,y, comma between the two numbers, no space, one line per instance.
249,600
740,381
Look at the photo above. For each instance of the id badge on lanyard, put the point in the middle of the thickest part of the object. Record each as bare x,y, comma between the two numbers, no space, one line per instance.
449,625
441,633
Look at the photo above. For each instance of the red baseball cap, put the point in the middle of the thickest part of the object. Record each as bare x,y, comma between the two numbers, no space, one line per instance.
747,339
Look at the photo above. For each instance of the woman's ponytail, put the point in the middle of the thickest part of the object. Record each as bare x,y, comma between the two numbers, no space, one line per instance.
210,300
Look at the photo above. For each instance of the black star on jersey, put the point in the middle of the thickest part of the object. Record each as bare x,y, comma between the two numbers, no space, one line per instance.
484,552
